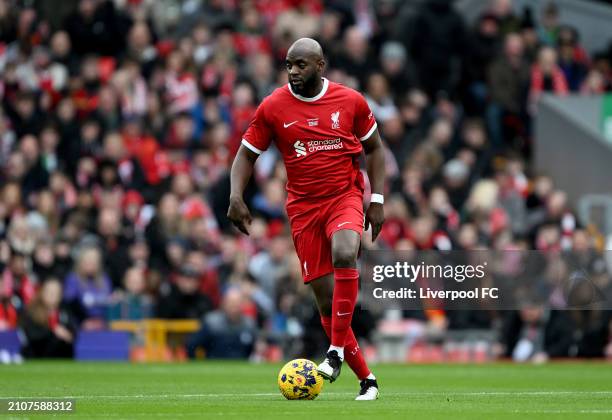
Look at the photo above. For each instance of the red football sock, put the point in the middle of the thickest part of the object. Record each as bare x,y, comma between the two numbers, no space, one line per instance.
352,352
343,303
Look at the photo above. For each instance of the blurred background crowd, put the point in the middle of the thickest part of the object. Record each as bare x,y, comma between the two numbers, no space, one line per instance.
120,120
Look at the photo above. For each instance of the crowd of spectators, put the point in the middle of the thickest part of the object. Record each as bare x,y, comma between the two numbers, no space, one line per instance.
120,120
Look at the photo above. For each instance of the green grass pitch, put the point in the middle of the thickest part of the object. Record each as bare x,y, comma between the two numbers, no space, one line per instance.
247,391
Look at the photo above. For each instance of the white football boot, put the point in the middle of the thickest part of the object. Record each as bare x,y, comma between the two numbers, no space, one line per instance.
369,390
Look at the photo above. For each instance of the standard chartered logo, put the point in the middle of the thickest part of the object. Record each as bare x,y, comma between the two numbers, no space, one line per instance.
312,146
300,149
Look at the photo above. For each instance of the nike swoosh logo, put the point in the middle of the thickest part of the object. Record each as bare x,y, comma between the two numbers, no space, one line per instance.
289,125
344,314
343,223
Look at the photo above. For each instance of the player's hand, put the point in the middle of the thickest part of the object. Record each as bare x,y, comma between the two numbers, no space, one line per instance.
375,217
63,333
238,213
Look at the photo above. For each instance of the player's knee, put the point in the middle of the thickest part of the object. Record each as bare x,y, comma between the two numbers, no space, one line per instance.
344,257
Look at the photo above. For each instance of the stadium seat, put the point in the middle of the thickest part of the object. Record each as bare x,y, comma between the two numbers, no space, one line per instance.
102,345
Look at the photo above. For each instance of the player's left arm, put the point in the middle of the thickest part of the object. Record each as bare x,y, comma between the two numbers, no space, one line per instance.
375,165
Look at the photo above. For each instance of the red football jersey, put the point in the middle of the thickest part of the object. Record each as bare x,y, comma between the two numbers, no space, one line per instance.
319,137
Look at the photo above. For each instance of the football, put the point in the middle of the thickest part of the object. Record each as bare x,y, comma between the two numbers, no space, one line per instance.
298,380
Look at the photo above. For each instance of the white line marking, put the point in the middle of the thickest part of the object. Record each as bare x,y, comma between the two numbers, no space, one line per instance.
270,394
577,411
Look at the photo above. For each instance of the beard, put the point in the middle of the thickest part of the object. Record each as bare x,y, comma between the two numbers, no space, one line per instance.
305,84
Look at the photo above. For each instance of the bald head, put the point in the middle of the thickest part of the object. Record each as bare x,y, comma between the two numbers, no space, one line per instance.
306,47
305,66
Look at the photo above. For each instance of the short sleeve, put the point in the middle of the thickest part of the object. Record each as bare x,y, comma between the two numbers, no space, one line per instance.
364,122
258,135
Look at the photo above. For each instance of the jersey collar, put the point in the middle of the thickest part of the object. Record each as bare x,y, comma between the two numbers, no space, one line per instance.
314,98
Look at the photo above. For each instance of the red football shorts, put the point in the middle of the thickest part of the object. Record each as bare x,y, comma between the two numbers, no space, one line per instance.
313,223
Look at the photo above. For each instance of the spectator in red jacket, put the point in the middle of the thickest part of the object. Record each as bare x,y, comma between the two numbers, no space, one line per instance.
547,76
17,285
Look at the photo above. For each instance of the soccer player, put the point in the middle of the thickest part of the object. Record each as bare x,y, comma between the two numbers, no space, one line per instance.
320,128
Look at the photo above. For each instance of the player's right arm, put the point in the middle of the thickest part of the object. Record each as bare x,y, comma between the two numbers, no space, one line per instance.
255,140
242,169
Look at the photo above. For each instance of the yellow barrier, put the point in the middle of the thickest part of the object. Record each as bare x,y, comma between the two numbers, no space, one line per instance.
155,333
